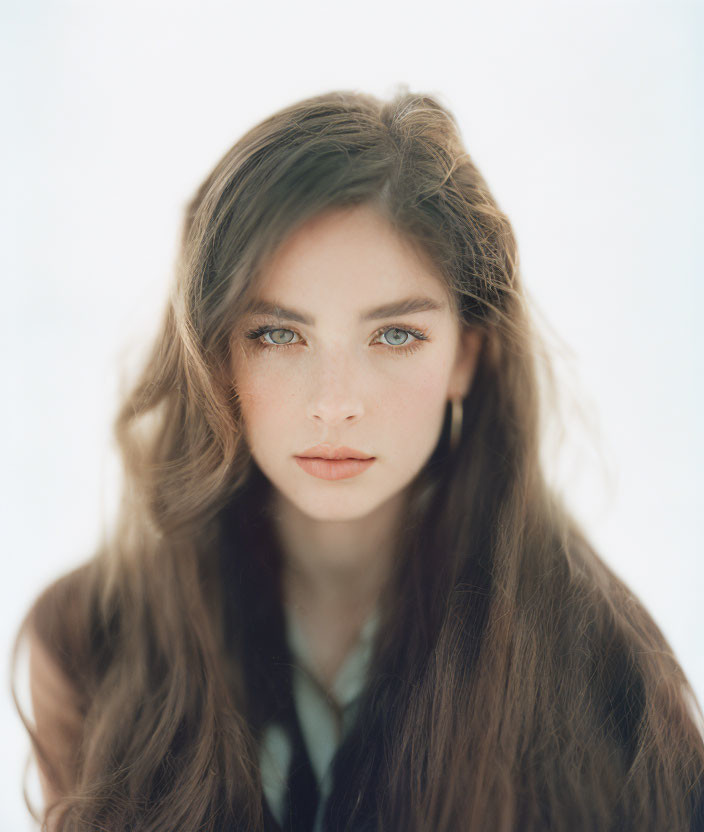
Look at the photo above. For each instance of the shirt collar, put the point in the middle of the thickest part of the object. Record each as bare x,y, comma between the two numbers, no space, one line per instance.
352,675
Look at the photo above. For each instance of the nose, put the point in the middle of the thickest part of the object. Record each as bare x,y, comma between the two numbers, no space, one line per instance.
333,400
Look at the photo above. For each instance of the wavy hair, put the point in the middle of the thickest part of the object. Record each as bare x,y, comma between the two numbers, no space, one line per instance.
516,681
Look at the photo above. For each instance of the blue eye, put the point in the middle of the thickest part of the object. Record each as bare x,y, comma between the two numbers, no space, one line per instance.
397,330
412,338
273,332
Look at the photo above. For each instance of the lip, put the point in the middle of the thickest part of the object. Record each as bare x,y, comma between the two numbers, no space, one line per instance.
326,451
334,469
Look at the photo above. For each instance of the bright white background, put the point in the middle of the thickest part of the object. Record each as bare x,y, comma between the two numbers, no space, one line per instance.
586,120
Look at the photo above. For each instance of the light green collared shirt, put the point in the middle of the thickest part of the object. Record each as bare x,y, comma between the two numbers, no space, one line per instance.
325,718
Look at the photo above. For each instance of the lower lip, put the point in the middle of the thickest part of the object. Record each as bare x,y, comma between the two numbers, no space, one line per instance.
334,469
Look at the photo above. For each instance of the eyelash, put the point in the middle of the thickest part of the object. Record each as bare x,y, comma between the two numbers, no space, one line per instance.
404,349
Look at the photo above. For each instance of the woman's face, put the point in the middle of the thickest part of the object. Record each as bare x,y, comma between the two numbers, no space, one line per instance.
333,367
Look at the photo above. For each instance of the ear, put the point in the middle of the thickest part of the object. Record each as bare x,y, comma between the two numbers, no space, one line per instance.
469,346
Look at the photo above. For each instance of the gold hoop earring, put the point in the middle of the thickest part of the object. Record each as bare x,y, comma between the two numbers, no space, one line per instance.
455,422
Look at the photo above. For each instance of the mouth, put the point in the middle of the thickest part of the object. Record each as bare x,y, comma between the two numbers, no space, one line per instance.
327,451
334,469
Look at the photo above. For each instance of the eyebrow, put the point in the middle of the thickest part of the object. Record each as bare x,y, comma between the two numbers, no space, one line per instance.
388,310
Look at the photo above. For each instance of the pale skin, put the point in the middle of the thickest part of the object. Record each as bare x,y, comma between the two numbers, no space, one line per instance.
343,380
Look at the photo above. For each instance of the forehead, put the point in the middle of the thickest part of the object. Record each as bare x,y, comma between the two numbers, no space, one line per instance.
351,257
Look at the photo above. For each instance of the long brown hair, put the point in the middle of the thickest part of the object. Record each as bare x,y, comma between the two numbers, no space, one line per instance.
516,682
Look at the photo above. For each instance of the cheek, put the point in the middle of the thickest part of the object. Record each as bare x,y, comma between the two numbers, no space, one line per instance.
431,386
265,398
271,397
416,406
426,384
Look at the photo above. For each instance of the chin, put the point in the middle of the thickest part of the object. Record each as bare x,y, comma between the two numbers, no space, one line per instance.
337,506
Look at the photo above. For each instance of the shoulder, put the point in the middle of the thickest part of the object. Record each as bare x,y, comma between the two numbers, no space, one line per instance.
61,621
57,634
58,716
65,594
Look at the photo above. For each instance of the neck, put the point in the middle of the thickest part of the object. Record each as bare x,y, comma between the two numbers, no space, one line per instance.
335,565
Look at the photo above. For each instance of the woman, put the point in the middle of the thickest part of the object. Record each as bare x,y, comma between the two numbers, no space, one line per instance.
340,594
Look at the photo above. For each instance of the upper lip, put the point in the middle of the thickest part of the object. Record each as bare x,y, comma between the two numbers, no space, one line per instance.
328,452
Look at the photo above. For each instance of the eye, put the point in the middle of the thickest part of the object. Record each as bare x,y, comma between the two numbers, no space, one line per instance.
394,333
277,339
401,340
398,340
